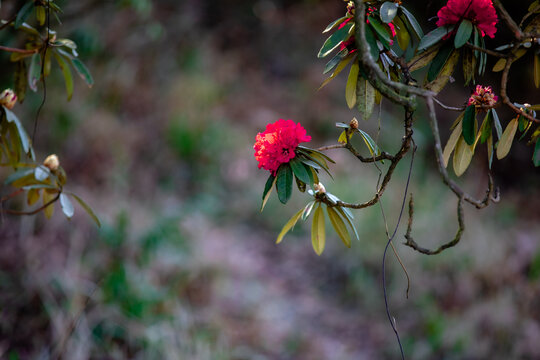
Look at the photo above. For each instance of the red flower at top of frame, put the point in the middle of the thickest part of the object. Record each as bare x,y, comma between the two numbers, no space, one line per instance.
482,95
480,12
276,145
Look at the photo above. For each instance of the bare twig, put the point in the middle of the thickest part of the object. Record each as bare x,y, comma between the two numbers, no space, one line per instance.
518,34
446,107
487,51
33,212
20,51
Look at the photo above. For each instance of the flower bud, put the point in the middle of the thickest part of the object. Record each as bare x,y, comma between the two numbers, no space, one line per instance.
52,162
319,188
353,124
8,98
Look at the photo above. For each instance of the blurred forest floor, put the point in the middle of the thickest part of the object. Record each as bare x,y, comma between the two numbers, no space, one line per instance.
185,267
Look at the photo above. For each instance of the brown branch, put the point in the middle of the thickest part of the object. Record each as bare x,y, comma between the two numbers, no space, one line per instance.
33,212
20,51
411,243
487,51
13,194
330,147
518,34
446,107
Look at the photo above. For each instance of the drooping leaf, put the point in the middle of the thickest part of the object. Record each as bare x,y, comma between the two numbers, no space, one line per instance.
339,226
284,183
490,150
439,61
462,156
40,15
87,208
537,70
334,23
402,35
268,190
417,29
66,71
536,154
452,142
346,60
289,225
34,73
469,122
300,171
486,127
372,41
318,236
444,75
49,210
346,214
423,59
496,123
350,90
370,143
469,66
463,33
83,71
32,196
23,136
522,123
335,39
366,98
18,175
23,14
307,210
380,31
335,61
67,206
388,11
433,37
505,142
20,80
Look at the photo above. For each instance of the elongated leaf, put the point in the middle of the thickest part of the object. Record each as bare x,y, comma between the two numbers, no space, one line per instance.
20,80
339,226
365,94
66,71
313,151
268,190
423,59
463,33
486,127
67,206
536,154
402,35
335,23
388,11
23,14
307,210
34,72
318,236
87,208
335,61
434,37
49,210
496,123
23,136
83,71
505,143
284,183
499,65
462,156
490,150
412,22
335,39
40,186
452,142
380,31
469,66
372,41
439,61
469,122
350,90
299,170
18,175
444,76
32,196
289,225
346,214
339,68
370,143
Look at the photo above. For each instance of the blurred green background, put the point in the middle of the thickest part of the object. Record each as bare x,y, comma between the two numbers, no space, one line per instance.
185,266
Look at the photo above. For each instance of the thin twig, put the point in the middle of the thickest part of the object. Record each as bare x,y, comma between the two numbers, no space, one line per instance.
19,51
487,51
33,212
446,107
518,34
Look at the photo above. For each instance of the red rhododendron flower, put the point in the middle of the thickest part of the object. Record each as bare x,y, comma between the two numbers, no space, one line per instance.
480,12
277,143
483,95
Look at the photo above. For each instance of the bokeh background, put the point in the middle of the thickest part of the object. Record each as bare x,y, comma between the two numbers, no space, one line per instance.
184,265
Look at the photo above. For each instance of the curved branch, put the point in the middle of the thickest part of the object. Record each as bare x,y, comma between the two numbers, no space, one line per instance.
411,243
33,212
518,34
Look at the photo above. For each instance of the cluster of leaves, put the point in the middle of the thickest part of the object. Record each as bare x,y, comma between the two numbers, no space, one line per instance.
38,181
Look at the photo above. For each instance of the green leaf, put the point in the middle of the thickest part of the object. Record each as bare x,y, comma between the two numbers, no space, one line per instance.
20,80
380,31
87,208
444,76
300,171
469,122
34,72
339,68
439,61
66,71
490,150
83,71
463,33
536,154
318,236
496,123
346,214
18,175
335,39
371,145
402,35
412,22
284,183
335,61
433,37
452,142
372,41
350,90
268,190
365,94
23,136
423,59
462,156
289,225
23,14
486,127
505,142
335,23
339,226
388,11
67,206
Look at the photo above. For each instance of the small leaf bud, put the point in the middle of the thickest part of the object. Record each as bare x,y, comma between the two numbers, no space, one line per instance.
8,98
52,162
353,124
